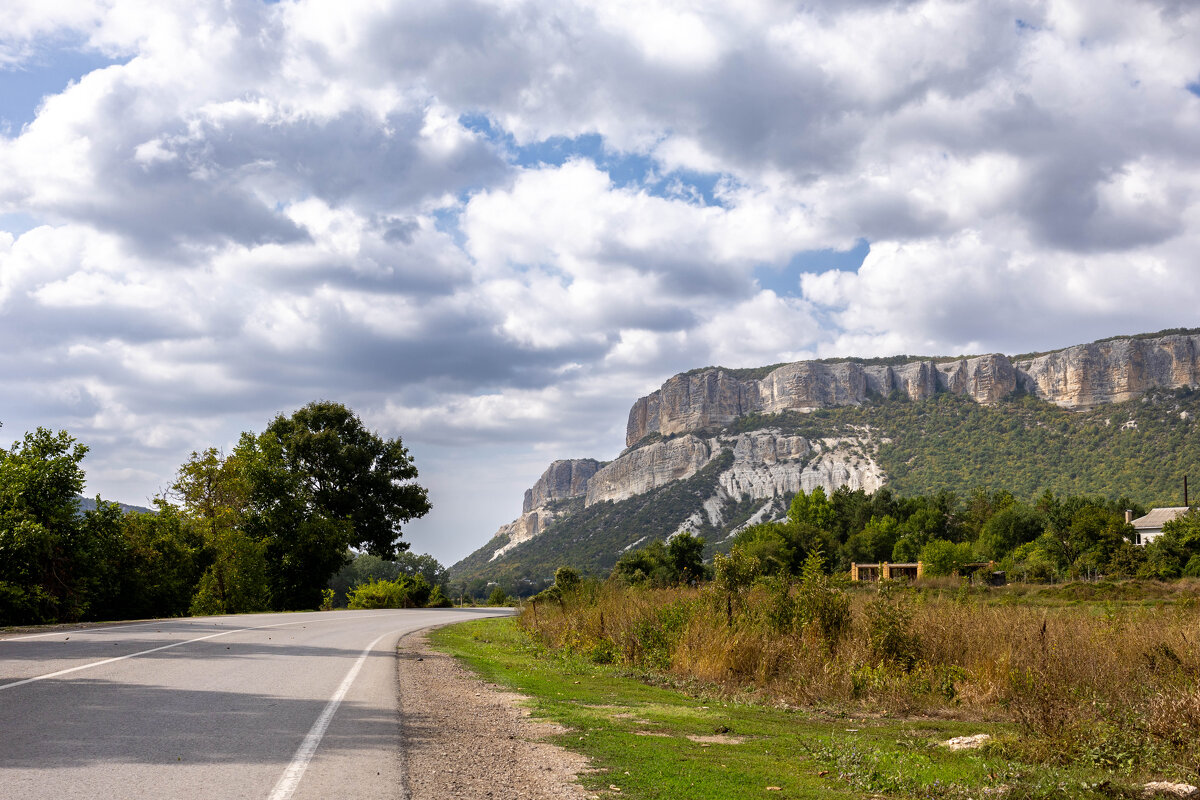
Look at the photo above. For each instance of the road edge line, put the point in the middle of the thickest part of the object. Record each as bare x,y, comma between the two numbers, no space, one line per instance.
285,787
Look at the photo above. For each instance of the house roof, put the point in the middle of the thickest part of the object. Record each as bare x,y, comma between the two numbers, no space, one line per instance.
1159,517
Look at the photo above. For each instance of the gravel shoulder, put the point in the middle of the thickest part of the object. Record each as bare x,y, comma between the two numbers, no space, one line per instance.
464,738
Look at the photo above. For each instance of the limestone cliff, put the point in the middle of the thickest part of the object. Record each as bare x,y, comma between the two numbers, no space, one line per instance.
646,468
562,480
766,463
1088,375
1077,377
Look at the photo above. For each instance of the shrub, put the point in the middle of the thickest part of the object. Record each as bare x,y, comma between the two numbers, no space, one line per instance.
404,592
890,636
735,572
822,603
499,597
438,599
566,579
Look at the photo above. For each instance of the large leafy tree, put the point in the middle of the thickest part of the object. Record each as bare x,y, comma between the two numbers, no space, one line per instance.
214,490
321,482
40,530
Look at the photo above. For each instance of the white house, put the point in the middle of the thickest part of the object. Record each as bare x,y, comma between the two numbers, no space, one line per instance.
1148,528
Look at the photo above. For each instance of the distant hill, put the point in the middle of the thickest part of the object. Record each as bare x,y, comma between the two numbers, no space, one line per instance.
715,449
89,504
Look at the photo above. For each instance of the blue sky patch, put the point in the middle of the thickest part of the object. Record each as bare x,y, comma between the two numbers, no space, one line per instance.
17,223
1194,88
22,88
627,170
785,281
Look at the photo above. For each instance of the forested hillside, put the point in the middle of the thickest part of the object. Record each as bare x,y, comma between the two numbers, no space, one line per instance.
1140,449
592,538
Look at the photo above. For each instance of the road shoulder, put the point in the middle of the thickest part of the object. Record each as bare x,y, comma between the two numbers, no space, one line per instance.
465,738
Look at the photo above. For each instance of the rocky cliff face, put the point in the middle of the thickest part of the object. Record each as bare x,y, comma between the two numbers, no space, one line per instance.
766,463
562,480
1078,377
647,468
1088,375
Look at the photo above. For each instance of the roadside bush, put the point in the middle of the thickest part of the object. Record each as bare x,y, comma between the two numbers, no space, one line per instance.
438,599
403,592
566,579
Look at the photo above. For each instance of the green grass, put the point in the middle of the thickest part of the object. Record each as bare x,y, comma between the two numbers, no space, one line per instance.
636,735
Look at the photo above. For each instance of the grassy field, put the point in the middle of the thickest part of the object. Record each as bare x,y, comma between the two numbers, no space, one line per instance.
648,738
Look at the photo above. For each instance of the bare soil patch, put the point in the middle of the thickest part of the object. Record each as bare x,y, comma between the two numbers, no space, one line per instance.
464,738
719,738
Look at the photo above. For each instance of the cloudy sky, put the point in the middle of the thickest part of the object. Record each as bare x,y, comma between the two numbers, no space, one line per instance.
489,225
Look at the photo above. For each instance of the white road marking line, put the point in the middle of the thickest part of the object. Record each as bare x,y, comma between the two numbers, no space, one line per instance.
286,786
118,658
69,670
104,628
77,631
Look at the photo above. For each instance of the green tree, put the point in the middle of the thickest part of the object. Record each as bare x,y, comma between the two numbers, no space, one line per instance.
941,558
423,564
137,565
349,473
813,509
567,579
646,565
685,551
321,483
874,543
40,530
1008,529
214,490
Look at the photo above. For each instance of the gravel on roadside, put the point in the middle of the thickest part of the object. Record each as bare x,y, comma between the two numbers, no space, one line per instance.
464,738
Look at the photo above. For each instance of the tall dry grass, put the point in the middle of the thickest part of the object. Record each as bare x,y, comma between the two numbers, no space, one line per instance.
1117,685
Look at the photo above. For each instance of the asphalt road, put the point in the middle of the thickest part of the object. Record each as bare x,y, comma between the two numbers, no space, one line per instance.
269,706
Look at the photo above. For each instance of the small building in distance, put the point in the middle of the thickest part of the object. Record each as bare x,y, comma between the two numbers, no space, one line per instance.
1148,528
873,573
886,572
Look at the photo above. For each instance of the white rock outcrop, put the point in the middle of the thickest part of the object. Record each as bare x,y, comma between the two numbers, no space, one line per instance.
766,463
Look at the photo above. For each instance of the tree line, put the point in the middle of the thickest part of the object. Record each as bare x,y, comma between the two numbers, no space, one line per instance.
261,528
1052,539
